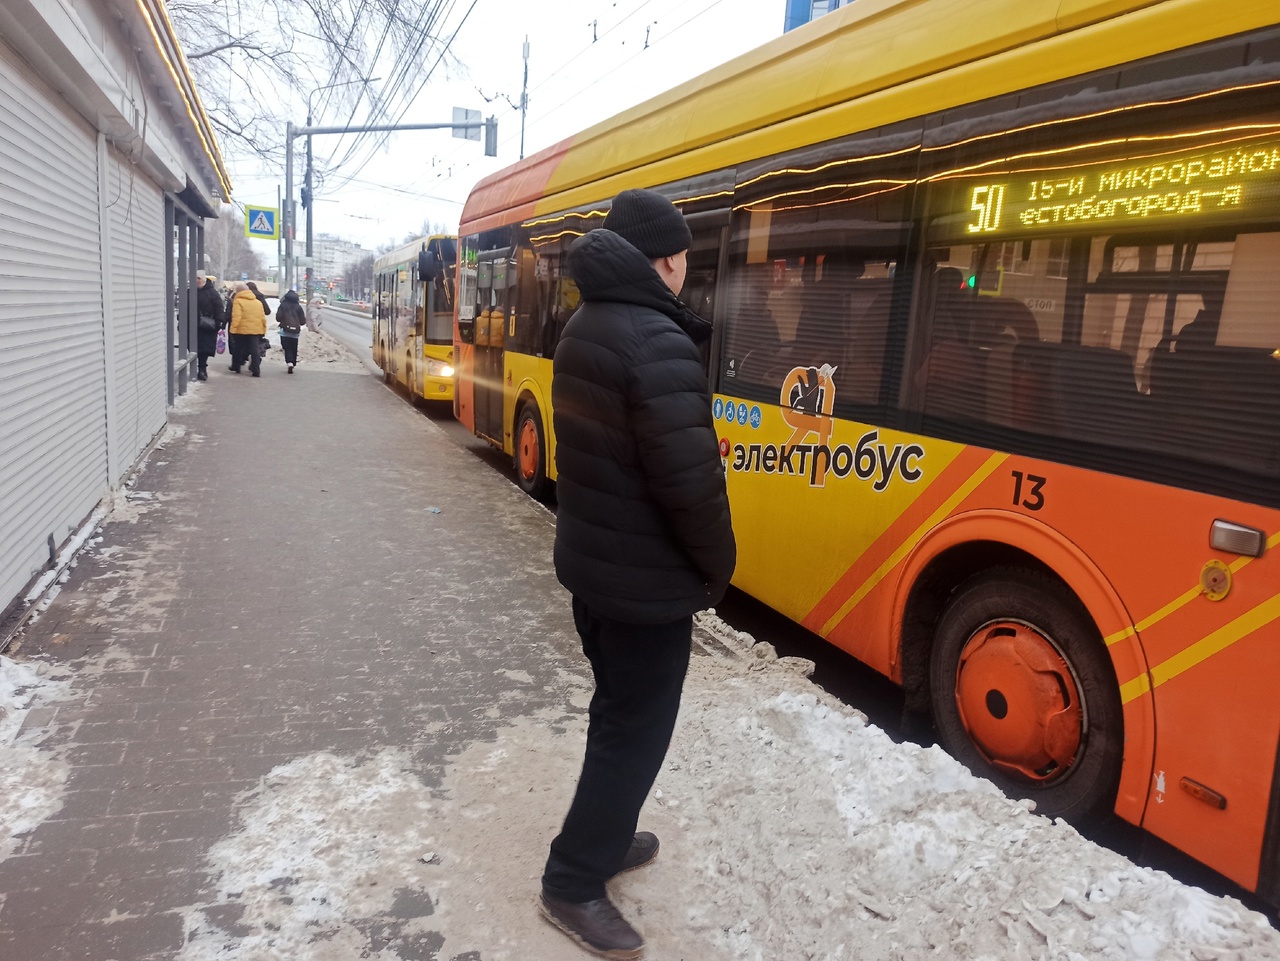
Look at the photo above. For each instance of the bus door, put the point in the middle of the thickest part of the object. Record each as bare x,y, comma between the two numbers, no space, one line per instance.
413,342
495,279
381,299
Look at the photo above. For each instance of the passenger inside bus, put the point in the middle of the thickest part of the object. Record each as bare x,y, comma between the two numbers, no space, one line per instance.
841,318
985,359
952,376
825,309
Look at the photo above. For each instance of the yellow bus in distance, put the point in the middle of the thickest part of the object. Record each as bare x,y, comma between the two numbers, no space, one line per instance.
412,311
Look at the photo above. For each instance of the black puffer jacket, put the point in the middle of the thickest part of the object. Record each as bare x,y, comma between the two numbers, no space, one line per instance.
643,533
208,304
290,315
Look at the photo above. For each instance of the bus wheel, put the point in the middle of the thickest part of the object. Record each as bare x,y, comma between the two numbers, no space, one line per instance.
531,453
1024,693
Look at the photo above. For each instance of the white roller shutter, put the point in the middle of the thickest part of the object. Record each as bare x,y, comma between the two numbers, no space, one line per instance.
52,369
136,231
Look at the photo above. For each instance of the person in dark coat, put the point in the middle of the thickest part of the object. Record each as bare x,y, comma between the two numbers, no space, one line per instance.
291,318
643,539
266,308
209,311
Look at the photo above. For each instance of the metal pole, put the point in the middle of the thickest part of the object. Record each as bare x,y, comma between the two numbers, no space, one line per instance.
311,205
279,239
286,214
524,94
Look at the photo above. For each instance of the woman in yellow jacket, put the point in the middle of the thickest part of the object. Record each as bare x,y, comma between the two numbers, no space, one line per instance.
248,323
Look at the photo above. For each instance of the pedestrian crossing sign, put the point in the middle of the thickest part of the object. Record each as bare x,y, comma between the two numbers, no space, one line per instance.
262,223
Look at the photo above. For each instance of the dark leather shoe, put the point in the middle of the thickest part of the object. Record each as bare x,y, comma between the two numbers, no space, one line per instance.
596,925
644,848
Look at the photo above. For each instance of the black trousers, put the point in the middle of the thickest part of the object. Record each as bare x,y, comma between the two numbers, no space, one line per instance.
290,347
639,672
245,347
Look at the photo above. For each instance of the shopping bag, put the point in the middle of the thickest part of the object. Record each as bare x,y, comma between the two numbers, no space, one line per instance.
222,340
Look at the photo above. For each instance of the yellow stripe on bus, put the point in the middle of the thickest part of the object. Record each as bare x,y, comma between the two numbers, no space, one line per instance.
963,491
1203,649
1132,690
1181,600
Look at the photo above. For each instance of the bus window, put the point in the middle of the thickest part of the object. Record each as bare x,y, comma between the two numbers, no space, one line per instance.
541,315
1159,343
440,292
404,310
817,244
815,253
468,292
546,295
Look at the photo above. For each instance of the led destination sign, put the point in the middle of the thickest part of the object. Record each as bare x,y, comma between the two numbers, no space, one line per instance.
1241,181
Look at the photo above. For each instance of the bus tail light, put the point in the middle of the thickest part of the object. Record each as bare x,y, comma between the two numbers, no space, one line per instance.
1237,539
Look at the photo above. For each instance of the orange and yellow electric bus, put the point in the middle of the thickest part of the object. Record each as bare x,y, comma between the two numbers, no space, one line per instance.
996,371
413,308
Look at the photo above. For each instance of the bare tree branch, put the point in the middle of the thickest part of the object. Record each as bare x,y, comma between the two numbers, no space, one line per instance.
259,65
229,45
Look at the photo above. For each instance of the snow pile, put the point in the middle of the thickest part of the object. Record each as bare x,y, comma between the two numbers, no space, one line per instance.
31,778
331,857
790,829
317,349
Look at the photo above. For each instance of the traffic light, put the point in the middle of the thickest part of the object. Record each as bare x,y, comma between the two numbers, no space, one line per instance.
491,137
306,197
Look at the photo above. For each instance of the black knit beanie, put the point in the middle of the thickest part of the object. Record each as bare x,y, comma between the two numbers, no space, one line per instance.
649,222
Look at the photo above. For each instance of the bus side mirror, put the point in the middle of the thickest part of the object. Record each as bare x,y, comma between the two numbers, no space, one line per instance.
428,266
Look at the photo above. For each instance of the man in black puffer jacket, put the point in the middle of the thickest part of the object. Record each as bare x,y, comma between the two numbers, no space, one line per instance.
643,538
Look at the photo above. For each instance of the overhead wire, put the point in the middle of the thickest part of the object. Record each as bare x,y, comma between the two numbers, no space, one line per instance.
383,137
392,92
652,43
403,75
443,50
595,79
461,166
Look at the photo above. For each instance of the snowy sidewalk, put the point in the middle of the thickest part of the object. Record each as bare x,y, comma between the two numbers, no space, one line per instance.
313,692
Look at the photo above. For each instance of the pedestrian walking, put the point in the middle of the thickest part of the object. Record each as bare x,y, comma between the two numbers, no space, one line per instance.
266,307
314,308
209,316
247,323
643,539
290,317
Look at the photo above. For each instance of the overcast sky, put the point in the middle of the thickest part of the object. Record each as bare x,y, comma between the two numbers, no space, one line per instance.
587,61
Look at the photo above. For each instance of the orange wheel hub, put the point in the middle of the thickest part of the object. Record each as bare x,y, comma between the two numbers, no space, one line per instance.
1019,701
528,447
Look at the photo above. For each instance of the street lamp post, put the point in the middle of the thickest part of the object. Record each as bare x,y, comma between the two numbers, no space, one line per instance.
307,192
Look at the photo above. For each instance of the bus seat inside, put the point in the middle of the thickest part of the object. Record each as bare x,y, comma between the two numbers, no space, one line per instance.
1219,404
862,363
954,379
1095,392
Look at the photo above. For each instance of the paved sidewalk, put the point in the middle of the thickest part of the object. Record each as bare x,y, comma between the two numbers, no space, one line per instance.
321,570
